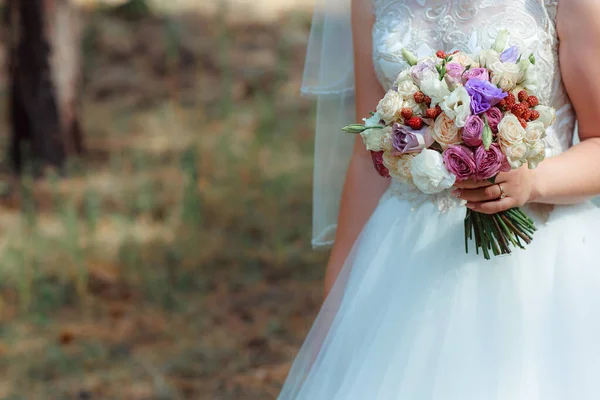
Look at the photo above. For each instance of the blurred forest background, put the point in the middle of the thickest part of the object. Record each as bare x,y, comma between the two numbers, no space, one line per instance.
171,258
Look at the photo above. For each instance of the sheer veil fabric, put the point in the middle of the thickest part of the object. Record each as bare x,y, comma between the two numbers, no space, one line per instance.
329,76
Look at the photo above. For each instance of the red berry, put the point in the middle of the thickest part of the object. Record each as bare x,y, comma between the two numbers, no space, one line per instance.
518,110
428,101
510,100
438,109
523,122
534,115
419,97
533,101
440,54
406,113
502,103
415,123
431,113
523,96
527,115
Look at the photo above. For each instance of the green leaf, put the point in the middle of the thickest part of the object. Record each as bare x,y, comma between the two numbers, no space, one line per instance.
532,59
487,135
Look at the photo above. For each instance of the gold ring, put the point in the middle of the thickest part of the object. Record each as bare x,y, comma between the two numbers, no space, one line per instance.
502,193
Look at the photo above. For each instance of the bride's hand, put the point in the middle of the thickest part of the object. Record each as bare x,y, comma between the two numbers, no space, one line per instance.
511,189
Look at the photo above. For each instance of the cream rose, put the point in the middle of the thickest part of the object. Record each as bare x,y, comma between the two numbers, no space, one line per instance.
445,132
457,106
403,77
534,132
399,166
390,106
434,88
516,154
536,154
510,130
547,115
505,75
429,173
373,138
464,60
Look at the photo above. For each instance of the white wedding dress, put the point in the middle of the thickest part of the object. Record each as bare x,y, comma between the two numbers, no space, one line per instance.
411,316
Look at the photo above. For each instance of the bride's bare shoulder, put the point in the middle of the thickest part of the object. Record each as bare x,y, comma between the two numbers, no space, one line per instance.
575,17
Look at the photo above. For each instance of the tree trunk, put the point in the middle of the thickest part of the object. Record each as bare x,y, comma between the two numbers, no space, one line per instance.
44,68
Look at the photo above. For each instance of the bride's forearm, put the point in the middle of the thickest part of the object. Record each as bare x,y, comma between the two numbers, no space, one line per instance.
362,190
570,177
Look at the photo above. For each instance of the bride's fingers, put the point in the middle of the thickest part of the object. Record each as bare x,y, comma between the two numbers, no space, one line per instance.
493,207
472,184
487,193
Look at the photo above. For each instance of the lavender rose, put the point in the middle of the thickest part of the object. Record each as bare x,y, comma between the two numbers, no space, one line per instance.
480,74
490,162
483,95
494,116
377,157
471,133
510,55
454,72
406,140
460,160
418,71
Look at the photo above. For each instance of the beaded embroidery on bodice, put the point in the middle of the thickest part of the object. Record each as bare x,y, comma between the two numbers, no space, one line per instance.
425,26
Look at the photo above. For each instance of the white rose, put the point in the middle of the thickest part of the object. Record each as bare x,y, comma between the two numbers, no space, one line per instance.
488,57
464,60
407,89
510,130
505,75
373,138
536,154
457,106
390,106
516,154
434,88
534,132
429,172
547,115
445,132
399,166
403,77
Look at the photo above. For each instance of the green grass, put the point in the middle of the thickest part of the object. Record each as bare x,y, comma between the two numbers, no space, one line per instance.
174,261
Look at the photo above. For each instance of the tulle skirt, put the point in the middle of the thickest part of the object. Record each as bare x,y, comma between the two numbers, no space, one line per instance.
412,317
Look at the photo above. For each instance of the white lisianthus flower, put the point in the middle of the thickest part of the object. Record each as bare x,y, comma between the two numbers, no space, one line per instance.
529,76
434,88
516,154
534,132
390,106
488,57
373,138
536,154
375,120
510,131
501,41
429,172
457,106
547,115
505,75
445,131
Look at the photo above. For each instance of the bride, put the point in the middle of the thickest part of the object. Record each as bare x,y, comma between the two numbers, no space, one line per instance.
408,315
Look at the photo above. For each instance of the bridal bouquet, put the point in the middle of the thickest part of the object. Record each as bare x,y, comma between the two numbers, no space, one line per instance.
453,117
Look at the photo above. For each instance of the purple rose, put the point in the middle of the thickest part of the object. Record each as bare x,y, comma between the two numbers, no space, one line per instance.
494,116
460,160
406,140
476,73
377,157
490,162
483,95
417,71
471,133
510,55
454,71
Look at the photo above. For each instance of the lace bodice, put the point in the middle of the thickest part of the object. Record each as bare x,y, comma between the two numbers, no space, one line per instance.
425,26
